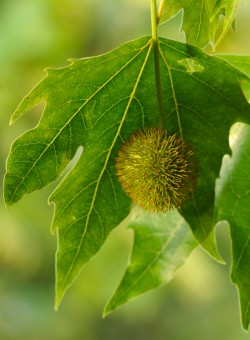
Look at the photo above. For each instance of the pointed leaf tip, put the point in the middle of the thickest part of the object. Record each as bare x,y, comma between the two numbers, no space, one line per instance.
162,243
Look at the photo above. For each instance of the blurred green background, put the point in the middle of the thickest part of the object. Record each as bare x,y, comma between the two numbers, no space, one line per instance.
200,303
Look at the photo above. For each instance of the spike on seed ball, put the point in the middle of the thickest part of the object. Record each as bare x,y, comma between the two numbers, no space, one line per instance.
156,171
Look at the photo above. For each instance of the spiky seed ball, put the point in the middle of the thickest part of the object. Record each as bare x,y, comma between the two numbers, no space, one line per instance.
156,171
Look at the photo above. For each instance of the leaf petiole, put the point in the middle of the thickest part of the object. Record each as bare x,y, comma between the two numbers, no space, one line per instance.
154,25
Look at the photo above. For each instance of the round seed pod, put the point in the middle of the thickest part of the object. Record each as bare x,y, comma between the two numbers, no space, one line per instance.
156,171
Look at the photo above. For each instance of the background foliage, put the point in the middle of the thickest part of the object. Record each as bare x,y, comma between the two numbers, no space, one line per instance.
38,34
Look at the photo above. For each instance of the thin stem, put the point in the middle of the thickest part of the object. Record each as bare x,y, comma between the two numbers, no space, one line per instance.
154,19
154,25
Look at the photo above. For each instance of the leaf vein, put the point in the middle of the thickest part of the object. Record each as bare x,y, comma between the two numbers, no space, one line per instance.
75,113
106,161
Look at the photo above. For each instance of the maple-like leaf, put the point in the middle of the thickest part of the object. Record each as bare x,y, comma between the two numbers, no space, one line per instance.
97,103
233,200
201,18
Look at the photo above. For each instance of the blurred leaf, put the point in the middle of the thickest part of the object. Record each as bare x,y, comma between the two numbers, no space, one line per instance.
233,201
162,243
201,18
97,103
229,9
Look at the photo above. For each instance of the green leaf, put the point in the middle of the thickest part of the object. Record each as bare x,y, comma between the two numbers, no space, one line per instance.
97,103
242,63
201,18
233,201
162,243
229,9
